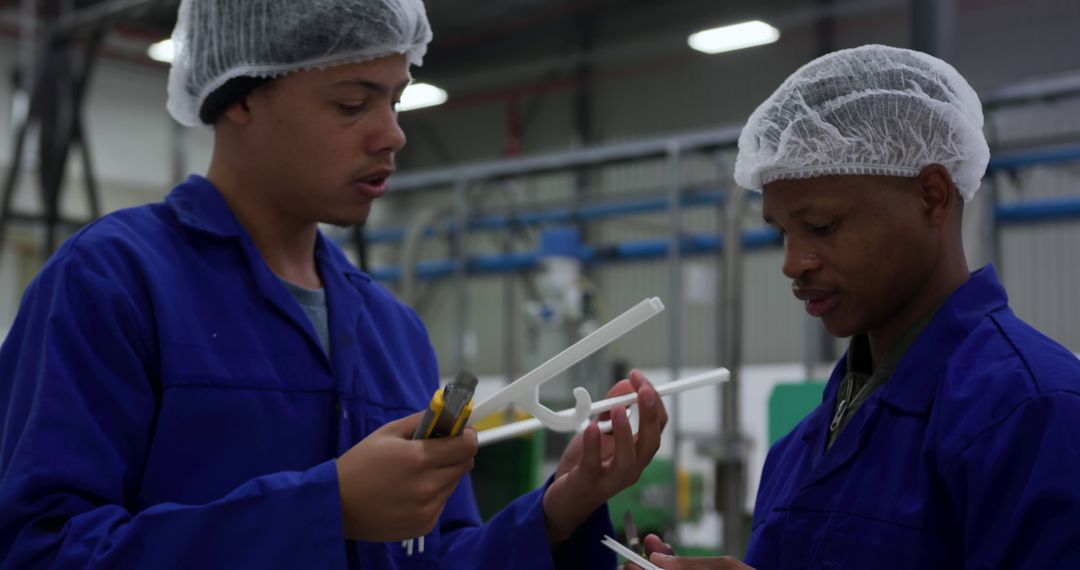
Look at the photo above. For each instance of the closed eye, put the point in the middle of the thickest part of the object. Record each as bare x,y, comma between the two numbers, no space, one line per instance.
350,110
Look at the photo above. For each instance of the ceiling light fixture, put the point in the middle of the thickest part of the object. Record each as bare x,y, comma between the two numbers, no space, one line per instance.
161,51
421,95
733,37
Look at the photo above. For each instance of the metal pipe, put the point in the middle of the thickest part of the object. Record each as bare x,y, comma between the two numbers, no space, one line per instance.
410,254
27,19
515,219
758,238
733,456
631,250
675,310
78,130
72,23
25,103
461,293
566,160
512,359
1034,91
932,27
1052,209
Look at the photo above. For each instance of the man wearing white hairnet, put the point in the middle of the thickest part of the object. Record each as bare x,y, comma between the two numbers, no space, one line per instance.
949,434
207,382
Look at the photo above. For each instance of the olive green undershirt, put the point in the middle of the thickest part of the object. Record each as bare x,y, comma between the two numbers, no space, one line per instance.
862,380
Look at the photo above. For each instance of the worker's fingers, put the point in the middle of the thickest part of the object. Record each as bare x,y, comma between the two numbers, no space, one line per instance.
447,451
638,379
620,388
654,543
404,427
589,463
447,490
679,563
624,458
650,408
452,473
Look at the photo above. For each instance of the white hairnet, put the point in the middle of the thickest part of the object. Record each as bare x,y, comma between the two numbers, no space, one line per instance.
875,110
218,40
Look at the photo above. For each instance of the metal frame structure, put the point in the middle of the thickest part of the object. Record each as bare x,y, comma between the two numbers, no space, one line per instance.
54,76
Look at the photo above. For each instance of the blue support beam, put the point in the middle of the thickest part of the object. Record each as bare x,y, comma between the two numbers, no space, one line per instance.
696,244
1018,160
1051,210
558,216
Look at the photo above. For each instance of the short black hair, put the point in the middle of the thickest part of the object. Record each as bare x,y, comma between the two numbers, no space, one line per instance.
235,89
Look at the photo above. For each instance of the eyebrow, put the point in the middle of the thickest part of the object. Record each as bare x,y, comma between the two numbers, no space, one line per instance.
798,213
373,85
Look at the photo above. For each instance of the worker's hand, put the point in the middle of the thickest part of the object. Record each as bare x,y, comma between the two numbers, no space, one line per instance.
652,543
663,556
393,487
596,466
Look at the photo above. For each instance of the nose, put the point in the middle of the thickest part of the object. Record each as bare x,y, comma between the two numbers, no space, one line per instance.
387,135
799,259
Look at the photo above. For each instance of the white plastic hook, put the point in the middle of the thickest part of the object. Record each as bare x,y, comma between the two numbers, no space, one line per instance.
504,432
566,420
525,391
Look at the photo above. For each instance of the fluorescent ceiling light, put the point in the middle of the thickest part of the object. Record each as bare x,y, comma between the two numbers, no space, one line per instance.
735,36
161,51
420,95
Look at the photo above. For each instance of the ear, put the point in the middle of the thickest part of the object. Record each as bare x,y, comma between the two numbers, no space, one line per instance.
238,113
939,194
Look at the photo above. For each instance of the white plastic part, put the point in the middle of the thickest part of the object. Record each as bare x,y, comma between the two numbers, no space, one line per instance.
523,427
628,554
408,545
525,391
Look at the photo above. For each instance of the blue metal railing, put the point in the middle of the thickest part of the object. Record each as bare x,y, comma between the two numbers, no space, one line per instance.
694,244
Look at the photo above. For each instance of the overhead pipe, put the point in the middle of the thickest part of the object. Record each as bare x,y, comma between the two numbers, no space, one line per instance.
691,244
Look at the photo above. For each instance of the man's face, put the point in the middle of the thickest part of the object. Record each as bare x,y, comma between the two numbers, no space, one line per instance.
324,140
856,248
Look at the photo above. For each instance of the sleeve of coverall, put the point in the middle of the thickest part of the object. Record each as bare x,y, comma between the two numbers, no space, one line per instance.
516,537
77,408
1016,487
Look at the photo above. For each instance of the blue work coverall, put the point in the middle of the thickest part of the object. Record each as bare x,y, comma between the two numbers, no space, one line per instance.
969,457
165,403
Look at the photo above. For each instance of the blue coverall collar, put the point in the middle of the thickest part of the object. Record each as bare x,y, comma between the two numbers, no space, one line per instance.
920,368
916,376
198,204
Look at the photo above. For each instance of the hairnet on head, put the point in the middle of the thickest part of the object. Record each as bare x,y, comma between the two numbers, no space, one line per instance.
219,40
874,110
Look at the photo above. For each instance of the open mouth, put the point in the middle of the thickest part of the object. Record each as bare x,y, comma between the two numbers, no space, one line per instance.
820,306
374,185
818,301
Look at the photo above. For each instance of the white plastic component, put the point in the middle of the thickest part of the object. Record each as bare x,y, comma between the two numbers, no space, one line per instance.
628,554
525,391
515,429
408,545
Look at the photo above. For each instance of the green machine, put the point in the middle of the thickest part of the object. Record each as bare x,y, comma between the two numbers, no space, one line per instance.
650,499
506,470
789,404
